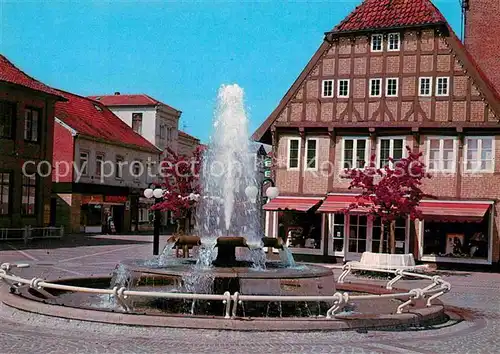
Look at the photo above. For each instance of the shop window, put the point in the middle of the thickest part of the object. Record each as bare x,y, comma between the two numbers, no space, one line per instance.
377,41
301,229
137,123
480,154
28,200
31,124
293,153
394,42
358,225
441,154
390,148
399,236
337,223
143,214
327,88
312,154
354,152
456,240
4,193
91,215
375,87
7,119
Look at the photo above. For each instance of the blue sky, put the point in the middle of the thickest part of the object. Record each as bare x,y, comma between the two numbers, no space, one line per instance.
179,52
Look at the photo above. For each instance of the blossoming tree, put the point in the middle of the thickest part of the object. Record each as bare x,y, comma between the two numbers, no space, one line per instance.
389,193
181,185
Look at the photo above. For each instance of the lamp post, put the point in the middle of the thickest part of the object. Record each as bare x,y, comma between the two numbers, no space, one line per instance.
253,193
157,193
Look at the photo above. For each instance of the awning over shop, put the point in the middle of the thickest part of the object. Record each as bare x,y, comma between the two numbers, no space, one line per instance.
338,203
458,211
292,203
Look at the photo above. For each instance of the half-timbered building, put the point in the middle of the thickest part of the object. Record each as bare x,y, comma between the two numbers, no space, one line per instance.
392,74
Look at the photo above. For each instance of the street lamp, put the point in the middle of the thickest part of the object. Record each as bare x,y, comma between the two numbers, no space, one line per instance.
271,193
156,193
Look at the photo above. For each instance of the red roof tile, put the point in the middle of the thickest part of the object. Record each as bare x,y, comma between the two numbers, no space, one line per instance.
93,119
379,14
129,100
11,74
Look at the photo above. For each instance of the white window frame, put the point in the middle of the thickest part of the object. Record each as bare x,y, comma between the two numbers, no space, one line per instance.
331,236
398,42
371,86
348,88
119,163
288,155
466,150
355,145
323,88
84,171
99,167
391,147
420,86
387,86
441,153
381,43
306,167
447,78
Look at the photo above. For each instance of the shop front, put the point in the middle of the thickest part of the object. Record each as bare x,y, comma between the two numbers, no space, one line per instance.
91,214
456,232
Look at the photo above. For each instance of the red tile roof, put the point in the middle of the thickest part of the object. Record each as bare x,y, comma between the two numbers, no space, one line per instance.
380,14
11,74
129,100
91,118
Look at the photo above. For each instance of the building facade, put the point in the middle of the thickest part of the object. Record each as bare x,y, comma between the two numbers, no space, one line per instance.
26,134
154,120
101,168
388,77
186,144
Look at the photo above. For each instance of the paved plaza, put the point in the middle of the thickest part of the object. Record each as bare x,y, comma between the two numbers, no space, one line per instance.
474,303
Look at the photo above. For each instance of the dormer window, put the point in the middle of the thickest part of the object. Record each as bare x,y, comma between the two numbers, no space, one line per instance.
377,41
394,43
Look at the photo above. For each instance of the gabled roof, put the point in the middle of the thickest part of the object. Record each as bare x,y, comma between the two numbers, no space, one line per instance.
382,14
13,75
129,100
92,119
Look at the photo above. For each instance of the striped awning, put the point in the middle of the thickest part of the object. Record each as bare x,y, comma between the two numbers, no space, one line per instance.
292,203
458,211
339,203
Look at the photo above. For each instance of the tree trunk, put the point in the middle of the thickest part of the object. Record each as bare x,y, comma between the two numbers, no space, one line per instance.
382,232
392,237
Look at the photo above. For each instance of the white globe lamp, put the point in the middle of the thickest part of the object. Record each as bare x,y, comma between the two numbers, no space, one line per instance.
272,192
251,192
148,193
158,193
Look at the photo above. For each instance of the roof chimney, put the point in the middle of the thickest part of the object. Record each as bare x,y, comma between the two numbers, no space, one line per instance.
117,93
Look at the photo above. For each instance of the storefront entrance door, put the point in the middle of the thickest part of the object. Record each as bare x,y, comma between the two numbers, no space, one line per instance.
357,237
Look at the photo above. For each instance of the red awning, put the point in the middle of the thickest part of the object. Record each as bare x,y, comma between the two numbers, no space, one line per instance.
454,211
338,203
291,203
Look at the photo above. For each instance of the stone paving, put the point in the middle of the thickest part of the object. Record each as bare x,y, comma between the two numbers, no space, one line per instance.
478,293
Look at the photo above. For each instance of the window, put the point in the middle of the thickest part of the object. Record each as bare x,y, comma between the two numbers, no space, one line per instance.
162,132
394,42
99,164
378,238
4,193
392,87
390,148
31,122
357,233
441,154
84,162
375,87
343,88
312,156
119,167
137,122
137,169
425,87
354,152
337,222
377,40
143,215
29,195
442,86
293,153
301,230
7,119
480,154
327,88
